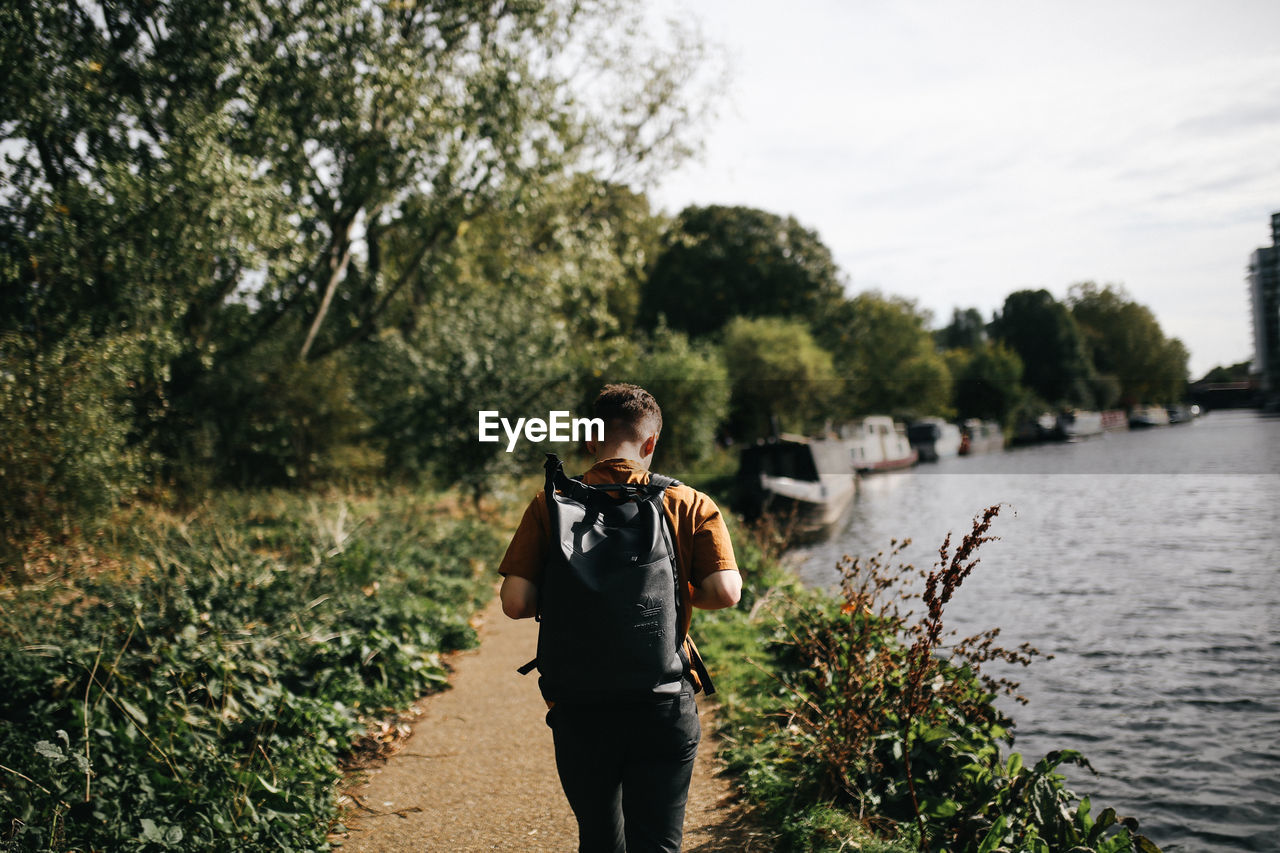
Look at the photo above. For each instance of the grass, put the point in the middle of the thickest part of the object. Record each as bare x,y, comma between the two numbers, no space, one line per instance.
194,682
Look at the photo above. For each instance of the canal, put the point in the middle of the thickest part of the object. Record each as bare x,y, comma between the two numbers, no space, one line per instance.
1148,564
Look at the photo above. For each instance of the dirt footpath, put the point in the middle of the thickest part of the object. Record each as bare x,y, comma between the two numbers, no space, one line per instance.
478,772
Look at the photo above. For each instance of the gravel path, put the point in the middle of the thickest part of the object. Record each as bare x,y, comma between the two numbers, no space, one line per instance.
478,772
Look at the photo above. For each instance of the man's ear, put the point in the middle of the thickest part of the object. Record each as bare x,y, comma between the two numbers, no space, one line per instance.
646,449
591,445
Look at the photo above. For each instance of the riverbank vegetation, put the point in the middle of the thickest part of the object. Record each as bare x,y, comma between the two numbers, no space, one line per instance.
856,721
194,681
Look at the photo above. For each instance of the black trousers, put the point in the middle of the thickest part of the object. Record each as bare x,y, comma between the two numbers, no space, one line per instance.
625,769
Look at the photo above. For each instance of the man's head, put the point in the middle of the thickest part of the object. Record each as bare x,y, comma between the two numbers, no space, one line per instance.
632,422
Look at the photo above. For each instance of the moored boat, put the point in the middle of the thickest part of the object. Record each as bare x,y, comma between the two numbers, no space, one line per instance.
1141,417
1076,424
809,480
934,439
981,437
1114,420
878,443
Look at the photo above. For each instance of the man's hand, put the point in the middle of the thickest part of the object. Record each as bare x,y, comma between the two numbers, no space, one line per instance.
519,597
718,590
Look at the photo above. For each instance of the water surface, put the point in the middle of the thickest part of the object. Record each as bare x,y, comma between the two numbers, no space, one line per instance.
1148,564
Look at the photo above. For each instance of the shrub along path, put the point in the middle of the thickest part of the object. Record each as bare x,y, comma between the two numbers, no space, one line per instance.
478,772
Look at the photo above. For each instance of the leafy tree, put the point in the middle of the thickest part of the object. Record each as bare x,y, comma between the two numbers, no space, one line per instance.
1127,344
717,263
882,348
781,378
1238,372
486,348
690,383
988,382
234,180
65,454
1055,359
967,330
528,322
1169,380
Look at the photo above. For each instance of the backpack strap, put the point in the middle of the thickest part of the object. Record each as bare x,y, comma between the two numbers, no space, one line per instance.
688,650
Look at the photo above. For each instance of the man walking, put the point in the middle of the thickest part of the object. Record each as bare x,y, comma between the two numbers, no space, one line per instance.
625,758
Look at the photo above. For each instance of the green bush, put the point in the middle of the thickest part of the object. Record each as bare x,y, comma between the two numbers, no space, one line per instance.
66,454
690,383
199,696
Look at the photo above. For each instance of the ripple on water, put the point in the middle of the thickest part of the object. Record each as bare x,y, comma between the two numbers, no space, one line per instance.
1147,564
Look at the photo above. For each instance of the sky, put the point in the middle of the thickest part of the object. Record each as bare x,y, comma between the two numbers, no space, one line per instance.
954,152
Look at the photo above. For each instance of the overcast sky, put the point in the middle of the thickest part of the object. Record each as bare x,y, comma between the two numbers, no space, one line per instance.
954,152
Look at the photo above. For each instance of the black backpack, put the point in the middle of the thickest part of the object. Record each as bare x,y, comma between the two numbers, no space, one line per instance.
608,609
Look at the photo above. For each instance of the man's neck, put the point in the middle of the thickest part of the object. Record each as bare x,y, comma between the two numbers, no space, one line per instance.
630,451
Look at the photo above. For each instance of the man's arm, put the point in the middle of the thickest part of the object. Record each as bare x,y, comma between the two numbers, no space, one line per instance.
519,597
717,591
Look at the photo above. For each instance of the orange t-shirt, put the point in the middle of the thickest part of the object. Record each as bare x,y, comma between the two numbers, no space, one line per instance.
702,540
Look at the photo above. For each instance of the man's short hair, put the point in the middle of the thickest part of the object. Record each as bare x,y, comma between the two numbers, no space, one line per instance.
629,412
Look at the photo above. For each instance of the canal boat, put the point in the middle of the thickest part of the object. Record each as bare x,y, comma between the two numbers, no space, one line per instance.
878,443
980,436
1077,424
1115,420
1141,417
1037,429
810,482
934,439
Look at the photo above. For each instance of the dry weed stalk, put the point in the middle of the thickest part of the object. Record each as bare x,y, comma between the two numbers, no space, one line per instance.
880,673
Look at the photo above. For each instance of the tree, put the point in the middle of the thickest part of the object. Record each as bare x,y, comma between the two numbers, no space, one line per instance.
528,321
1127,344
1055,360
1238,372
229,180
967,330
882,348
717,263
690,383
988,382
781,378
65,457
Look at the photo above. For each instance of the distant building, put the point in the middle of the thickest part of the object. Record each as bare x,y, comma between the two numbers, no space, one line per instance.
1264,288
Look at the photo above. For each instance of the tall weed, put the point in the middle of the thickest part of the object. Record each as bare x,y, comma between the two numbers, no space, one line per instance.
865,716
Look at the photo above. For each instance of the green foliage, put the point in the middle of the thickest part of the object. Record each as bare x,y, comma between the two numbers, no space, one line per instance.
237,182
883,350
987,382
1238,372
490,348
196,691
66,455
1055,359
268,419
781,378
849,723
1128,346
690,383
717,263
967,330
